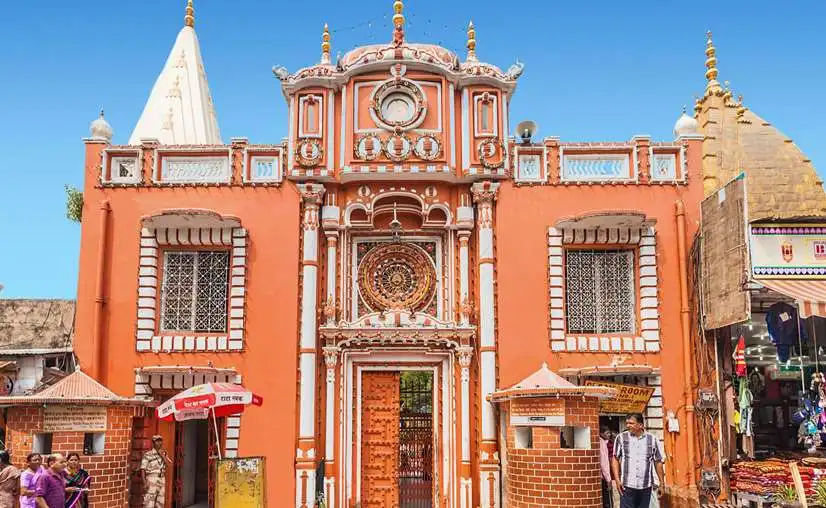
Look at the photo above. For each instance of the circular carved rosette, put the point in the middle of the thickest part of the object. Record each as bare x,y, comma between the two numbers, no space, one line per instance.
308,153
427,147
491,153
398,104
397,276
397,148
368,147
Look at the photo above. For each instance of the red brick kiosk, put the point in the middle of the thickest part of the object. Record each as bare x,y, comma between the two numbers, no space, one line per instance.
550,455
77,414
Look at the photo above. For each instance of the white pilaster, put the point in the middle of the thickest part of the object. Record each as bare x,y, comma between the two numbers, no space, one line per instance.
305,454
484,194
330,219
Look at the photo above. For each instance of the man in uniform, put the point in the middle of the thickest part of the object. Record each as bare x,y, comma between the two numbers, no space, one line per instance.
153,474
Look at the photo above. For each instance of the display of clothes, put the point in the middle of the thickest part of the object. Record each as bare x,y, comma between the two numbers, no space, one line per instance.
744,401
785,328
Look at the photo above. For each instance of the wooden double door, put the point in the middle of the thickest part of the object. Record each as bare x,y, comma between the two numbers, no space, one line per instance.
397,439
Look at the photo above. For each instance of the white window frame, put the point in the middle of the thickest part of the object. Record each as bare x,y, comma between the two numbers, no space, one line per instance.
152,240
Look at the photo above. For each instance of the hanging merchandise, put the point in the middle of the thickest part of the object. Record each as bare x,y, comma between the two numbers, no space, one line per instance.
740,357
745,400
784,328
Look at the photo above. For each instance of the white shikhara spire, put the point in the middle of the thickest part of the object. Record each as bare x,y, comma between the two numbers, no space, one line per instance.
180,109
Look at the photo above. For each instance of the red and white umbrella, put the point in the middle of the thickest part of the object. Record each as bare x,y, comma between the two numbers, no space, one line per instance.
198,402
217,399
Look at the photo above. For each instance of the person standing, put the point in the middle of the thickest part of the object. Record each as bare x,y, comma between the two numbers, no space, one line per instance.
51,486
28,480
605,466
9,481
77,483
637,455
153,474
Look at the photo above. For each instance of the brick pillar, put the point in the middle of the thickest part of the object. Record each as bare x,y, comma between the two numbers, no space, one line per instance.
539,472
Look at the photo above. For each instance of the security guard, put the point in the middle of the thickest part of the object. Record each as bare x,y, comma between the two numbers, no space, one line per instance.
153,474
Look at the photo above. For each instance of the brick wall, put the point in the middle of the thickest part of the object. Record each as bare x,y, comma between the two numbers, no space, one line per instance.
109,470
549,476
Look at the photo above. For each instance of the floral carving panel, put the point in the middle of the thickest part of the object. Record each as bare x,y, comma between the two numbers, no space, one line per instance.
397,276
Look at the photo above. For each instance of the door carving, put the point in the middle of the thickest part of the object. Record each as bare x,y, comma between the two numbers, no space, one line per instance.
380,440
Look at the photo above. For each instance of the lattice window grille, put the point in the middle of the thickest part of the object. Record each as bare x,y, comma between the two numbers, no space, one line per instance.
194,291
599,291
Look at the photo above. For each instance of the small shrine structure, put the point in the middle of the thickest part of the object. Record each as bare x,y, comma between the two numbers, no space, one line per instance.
550,455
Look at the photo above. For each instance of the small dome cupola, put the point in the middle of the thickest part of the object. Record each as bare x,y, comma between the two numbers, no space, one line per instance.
686,126
100,128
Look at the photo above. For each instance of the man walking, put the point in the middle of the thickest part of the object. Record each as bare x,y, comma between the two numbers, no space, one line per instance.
51,486
637,454
153,474
605,465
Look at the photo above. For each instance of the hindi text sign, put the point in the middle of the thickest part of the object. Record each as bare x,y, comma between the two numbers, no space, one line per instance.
74,419
538,412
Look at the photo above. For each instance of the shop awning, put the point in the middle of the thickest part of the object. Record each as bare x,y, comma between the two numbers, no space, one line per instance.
810,295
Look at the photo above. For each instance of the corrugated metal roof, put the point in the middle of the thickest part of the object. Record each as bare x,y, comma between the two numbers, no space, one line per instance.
76,388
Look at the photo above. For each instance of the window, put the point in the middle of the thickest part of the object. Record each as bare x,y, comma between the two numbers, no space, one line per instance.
578,438
42,444
523,437
599,291
194,291
93,443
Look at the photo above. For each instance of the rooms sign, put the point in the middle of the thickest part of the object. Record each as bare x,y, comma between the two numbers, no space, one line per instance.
74,419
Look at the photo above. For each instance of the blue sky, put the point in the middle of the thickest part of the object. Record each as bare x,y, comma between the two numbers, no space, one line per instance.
595,70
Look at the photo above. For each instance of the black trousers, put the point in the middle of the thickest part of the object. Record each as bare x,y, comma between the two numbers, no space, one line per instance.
635,498
607,495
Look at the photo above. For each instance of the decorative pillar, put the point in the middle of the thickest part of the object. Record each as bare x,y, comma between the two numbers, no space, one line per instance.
465,355
484,194
306,454
330,220
331,361
464,222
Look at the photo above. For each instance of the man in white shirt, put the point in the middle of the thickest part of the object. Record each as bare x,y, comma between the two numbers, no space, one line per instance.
637,454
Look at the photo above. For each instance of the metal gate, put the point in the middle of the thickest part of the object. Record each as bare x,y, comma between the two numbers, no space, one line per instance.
416,440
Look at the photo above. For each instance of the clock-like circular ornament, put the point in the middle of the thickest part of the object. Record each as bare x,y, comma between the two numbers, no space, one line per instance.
491,153
397,148
308,153
398,104
427,147
397,276
368,147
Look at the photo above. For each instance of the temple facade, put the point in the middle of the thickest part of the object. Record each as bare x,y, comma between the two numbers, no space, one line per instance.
378,276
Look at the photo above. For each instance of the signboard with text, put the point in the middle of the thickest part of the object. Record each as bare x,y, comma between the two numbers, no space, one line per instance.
74,419
629,399
538,412
788,251
239,483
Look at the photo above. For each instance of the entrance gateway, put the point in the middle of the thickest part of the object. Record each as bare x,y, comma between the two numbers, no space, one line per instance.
397,431
397,439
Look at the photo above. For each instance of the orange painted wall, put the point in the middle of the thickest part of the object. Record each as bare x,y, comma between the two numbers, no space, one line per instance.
523,216
269,362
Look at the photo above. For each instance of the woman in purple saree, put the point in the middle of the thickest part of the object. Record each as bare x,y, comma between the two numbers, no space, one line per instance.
77,483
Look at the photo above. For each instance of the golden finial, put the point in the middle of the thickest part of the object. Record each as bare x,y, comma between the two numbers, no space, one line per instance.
711,66
325,45
189,19
741,110
398,22
698,106
471,42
